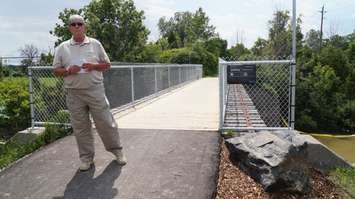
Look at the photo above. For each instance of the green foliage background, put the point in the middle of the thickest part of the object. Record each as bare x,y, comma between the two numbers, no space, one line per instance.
14,104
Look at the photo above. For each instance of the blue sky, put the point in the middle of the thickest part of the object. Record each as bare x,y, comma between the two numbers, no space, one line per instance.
29,22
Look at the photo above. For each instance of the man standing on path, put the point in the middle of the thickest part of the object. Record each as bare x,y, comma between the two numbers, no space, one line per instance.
81,61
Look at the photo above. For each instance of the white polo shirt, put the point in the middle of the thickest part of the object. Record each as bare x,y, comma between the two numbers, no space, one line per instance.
72,53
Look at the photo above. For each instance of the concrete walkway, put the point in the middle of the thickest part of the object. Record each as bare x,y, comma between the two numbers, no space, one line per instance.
162,163
192,107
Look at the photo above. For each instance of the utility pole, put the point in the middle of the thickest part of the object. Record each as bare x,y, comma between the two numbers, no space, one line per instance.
321,28
237,37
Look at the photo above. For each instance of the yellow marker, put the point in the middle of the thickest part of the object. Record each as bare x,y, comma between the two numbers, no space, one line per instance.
329,135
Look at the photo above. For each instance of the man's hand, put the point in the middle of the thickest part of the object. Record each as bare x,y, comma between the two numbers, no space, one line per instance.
89,66
62,71
74,69
102,66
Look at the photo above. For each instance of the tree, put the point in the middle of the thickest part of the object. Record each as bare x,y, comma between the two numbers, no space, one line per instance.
337,41
351,52
46,59
280,35
313,39
185,28
201,25
337,59
207,59
1,69
216,46
320,98
116,23
119,26
259,47
29,51
151,53
195,54
325,84
163,43
238,51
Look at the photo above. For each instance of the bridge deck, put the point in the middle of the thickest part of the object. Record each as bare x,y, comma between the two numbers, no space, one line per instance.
240,110
193,107
162,163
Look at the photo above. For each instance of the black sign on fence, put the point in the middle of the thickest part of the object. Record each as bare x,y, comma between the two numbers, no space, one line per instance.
241,74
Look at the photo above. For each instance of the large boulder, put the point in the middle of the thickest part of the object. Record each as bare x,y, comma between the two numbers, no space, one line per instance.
277,160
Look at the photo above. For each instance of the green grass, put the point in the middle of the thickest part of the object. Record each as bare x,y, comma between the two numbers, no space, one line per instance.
229,134
49,82
345,178
12,151
12,78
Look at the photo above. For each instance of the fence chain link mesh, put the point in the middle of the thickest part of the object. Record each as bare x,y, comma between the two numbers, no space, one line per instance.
125,86
267,101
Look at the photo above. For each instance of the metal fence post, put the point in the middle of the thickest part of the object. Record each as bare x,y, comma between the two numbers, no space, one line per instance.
155,80
169,77
220,73
31,97
293,65
180,75
201,72
293,93
132,83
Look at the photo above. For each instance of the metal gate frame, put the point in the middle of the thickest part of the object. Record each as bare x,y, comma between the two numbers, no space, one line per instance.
223,88
292,80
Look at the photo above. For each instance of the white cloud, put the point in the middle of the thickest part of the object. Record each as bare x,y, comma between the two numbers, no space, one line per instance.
230,17
153,11
247,30
155,8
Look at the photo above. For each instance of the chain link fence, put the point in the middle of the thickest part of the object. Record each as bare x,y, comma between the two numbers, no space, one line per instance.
13,67
268,100
125,86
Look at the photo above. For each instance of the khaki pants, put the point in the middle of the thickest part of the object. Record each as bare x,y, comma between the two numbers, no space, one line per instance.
80,103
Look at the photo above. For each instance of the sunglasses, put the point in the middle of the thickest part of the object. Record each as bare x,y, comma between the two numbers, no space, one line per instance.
76,24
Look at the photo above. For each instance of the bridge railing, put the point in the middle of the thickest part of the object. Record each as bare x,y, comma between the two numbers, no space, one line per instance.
271,96
125,85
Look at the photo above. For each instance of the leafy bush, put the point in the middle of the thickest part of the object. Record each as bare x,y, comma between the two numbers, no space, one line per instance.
150,53
165,56
208,60
13,151
186,56
195,55
14,103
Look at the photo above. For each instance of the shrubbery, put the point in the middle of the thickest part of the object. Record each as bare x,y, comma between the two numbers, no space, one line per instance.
192,55
13,150
14,104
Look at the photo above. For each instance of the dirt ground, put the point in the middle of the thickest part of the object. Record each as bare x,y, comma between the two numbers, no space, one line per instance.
234,184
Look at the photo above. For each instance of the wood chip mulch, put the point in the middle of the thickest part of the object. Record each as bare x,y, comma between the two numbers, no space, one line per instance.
234,184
